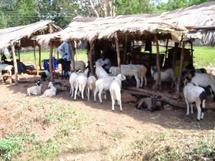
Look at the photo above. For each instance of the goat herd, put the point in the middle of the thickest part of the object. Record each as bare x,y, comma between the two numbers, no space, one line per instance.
197,83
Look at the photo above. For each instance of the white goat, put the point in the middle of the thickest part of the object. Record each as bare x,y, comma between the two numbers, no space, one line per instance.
115,90
5,67
35,90
167,75
51,91
72,81
79,65
100,72
197,95
102,84
80,83
91,84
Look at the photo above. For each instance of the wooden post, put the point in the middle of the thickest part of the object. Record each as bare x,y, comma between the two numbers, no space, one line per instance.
125,49
117,50
51,62
72,47
158,81
166,52
191,46
19,54
40,57
35,58
14,63
90,58
180,68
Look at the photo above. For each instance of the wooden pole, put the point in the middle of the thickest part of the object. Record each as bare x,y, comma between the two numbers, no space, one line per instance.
14,63
180,68
158,81
40,57
72,48
51,62
19,54
117,50
91,52
35,58
125,49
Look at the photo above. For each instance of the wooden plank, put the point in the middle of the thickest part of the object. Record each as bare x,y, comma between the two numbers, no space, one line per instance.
151,92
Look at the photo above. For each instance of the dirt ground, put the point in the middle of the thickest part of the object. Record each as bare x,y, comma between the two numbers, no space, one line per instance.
131,124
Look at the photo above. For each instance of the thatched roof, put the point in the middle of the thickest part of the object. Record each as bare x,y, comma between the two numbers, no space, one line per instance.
23,34
196,18
84,28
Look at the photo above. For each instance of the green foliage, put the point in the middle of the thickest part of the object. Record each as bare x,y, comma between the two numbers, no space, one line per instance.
124,7
10,146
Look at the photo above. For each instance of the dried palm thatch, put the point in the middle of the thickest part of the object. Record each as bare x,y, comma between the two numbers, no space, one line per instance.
85,28
24,34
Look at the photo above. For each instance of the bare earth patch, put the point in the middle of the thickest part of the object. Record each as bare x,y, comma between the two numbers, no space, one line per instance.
59,128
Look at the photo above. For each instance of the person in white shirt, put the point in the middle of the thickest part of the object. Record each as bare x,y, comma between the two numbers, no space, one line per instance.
65,50
104,62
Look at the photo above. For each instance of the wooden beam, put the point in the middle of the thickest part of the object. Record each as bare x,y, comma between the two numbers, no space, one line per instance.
14,63
51,62
117,50
158,80
180,68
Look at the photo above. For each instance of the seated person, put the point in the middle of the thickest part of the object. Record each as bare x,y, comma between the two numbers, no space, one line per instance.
104,62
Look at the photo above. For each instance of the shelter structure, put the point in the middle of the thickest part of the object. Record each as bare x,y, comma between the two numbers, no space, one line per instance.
21,36
197,19
117,30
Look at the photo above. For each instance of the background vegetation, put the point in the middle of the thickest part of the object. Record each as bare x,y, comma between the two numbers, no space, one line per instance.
22,12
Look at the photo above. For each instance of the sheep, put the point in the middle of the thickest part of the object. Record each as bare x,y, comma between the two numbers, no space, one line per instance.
204,80
115,90
166,75
45,75
138,71
91,83
7,68
79,65
100,72
102,84
197,95
72,80
51,91
80,83
35,90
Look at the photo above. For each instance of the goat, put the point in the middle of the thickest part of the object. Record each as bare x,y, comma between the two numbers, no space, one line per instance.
35,90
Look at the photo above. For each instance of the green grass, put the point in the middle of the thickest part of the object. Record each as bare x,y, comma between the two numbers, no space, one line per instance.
10,146
204,56
28,56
